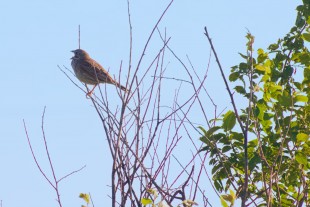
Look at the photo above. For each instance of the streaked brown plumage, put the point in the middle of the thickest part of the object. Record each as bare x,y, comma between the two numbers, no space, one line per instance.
89,71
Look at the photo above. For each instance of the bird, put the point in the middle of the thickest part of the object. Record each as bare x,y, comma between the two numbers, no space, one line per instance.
89,71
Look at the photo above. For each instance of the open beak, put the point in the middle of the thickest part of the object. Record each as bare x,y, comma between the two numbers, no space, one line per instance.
74,53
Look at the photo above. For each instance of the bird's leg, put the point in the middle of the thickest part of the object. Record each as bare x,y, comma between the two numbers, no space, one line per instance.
91,91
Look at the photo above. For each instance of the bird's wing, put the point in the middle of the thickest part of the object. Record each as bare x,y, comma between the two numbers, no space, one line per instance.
96,70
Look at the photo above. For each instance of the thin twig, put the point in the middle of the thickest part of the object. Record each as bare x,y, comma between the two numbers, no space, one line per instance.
226,83
56,181
34,157
79,36
75,171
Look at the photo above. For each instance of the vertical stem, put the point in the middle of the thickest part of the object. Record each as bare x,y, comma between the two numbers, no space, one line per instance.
226,83
79,37
245,144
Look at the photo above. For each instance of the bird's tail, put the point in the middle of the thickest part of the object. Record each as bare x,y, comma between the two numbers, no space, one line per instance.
122,87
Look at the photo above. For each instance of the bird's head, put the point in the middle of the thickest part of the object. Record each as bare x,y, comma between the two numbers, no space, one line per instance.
79,53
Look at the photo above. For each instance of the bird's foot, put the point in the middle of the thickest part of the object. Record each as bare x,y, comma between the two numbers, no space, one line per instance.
88,95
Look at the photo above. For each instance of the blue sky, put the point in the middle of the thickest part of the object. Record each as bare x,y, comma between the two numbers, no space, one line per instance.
36,36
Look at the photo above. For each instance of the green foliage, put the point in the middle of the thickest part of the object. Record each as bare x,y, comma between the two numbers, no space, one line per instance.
229,121
153,197
276,84
86,198
146,201
231,197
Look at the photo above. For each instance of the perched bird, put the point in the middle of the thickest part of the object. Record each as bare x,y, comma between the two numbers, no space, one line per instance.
90,72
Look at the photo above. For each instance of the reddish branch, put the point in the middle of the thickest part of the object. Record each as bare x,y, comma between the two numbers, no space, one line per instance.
53,182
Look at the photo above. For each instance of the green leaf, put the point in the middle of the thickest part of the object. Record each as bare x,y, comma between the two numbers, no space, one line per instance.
280,57
226,149
218,185
210,131
307,73
229,121
205,148
268,116
273,47
285,100
240,89
301,57
306,36
232,193
260,68
254,161
262,56
259,111
243,56
228,198
264,68
287,72
302,137
301,98
216,168
243,66
300,22
308,20
274,88
223,202
146,201
234,76
253,143
85,197
301,158
260,51
203,130
291,189
298,85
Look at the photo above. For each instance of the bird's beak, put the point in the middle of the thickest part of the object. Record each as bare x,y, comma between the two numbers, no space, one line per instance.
74,53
